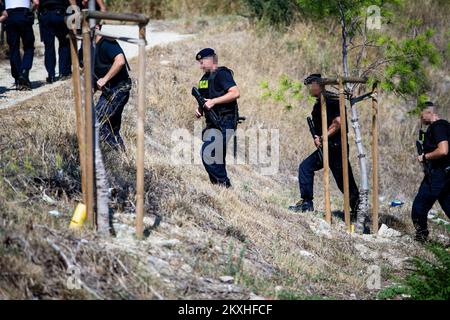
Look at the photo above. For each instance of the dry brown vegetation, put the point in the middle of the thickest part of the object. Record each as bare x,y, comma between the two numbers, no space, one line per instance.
198,232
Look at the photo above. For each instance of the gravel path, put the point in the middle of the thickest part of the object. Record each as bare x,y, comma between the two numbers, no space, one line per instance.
9,96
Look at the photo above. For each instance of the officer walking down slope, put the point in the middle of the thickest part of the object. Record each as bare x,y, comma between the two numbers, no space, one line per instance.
19,26
313,162
52,24
219,89
436,158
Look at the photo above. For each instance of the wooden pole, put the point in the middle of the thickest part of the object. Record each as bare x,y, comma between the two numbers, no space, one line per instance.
140,136
78,111
334,81
136,18
89,122
326,166
344,148
375,159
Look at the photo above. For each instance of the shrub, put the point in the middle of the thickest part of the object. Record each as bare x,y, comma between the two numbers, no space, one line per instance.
428,280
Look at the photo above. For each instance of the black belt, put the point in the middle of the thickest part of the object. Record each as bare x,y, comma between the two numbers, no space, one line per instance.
220,111
225,113
18,10
59,10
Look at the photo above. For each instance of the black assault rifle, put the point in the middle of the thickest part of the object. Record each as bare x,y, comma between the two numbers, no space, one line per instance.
312,129
210,115
425,163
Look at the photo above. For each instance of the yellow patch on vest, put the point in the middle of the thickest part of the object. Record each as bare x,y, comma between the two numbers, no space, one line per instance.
203,84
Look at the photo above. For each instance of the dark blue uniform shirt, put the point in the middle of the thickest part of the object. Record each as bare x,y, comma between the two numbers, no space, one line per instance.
437,132
105,52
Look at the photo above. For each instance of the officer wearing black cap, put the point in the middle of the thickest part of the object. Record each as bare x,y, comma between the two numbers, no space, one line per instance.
19,26
219,89
314,163
52,25
436,159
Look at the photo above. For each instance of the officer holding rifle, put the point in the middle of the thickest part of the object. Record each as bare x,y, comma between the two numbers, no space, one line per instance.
433,147
315,161
220,109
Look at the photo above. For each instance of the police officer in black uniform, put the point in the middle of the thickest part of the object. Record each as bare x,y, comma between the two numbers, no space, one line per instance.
219,89
313,163
52,25
19,26
436,183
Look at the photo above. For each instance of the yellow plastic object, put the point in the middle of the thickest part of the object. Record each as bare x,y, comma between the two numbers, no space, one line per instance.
352,228
78,217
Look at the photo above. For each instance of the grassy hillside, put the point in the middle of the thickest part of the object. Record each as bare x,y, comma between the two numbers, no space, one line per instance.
198,232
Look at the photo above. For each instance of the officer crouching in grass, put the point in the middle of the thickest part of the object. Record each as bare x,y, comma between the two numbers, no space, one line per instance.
112,78
19,20
219,89
314,163
436,159
52,25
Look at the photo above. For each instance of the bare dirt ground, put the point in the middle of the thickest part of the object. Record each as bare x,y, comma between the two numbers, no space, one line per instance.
156,35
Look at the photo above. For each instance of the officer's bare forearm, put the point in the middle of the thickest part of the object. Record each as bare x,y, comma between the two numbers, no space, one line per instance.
119,63
440,152
232,95
335,127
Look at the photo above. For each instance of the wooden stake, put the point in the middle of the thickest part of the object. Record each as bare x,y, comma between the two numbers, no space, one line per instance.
326,167
140,136
78,111
89,123
344,144
375,159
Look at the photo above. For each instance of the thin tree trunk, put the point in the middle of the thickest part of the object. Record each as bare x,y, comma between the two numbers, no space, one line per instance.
102,187
363,209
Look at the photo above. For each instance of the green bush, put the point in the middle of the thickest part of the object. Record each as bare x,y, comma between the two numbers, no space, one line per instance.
428,280
273,12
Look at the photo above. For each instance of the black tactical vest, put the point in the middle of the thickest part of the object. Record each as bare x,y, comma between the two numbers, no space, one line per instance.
208,90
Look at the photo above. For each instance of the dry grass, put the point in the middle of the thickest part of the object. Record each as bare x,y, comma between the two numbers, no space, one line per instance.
164,9
214,226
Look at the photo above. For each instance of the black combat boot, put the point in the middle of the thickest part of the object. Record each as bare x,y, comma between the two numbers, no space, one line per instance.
302,206
354,205
24,81
421,235
65,77
50,79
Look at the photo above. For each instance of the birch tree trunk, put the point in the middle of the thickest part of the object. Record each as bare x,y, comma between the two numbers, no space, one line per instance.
102,187
363,208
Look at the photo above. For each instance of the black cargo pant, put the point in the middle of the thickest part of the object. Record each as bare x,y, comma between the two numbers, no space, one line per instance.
433,188
52,26
214,149
109,110
19,26
313,163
